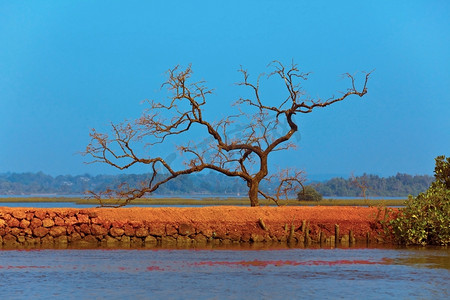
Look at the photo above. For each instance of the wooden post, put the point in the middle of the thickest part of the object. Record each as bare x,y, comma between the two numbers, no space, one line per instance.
261,223
351,238
336,234
291,234
303,226
307,239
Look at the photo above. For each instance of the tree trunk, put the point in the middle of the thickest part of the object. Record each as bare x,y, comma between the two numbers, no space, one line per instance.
253,193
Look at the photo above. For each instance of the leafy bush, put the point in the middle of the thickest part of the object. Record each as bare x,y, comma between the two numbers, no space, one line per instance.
309,193
426,218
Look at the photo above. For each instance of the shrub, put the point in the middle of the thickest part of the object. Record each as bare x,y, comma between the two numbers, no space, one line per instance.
309,193
426,218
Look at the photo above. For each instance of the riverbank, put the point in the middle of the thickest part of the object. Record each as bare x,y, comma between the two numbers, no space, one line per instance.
198,201
186,227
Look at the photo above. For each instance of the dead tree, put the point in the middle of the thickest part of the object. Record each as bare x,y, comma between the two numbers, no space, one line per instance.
360,183
244,155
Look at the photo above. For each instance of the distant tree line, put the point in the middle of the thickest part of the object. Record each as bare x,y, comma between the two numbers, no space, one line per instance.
400,185
40,183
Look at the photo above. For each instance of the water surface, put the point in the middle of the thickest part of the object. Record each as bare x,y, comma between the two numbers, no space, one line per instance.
226,274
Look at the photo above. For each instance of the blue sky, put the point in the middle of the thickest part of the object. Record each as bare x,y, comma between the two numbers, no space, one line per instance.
69,66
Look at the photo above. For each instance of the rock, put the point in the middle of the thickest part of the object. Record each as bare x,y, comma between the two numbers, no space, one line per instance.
9,238
30,215
61,240
168,240
59,221
24,223
171,230
200,239
157,230
90,239
32,241
82,218
19,214
125,239
186,229
96,221
246,237
47,240
13,222
142,232
98,230
220,233
35,222
85,228
183,240
256,238
57,231
16,231
136,242
40,214
118,224
150,240
129,230
71,221
135,224
234,235
92,214
2,223
116,232
226,241
40,231
47,222
70,229
75,236
111,241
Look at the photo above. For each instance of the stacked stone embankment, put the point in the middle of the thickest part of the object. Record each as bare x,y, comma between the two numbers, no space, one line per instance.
138,227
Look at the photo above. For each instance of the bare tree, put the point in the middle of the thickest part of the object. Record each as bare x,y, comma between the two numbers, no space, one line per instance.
244,155
360,183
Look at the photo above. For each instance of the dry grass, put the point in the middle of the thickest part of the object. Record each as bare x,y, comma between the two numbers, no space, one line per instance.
209,201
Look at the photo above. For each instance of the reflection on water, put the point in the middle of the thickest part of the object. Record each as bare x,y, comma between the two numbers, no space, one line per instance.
426,261
226,274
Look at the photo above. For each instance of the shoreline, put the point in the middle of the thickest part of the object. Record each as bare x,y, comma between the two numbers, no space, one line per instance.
136,227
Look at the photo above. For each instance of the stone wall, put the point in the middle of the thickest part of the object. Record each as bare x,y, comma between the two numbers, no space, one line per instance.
48,228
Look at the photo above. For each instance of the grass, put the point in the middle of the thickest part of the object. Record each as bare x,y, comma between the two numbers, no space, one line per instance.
210,201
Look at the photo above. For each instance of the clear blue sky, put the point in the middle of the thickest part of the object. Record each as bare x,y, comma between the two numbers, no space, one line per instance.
69,66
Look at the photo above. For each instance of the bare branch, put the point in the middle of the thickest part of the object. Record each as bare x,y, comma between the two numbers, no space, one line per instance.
238,145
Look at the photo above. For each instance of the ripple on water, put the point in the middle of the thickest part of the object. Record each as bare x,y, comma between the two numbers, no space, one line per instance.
202,274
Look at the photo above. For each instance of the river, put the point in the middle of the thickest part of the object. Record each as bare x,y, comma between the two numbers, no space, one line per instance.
236,273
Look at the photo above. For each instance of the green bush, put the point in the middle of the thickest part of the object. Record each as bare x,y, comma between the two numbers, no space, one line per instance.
426,218
309,193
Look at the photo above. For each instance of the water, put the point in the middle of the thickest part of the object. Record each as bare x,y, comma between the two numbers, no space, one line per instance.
225,274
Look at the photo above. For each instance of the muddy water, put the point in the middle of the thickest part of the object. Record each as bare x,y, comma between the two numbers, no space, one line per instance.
226,274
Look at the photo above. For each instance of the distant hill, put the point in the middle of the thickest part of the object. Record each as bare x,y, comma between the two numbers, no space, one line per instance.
400,185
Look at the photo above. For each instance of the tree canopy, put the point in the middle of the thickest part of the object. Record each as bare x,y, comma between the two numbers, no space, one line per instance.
244,155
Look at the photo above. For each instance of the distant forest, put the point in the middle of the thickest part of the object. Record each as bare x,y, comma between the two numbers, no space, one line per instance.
400,185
